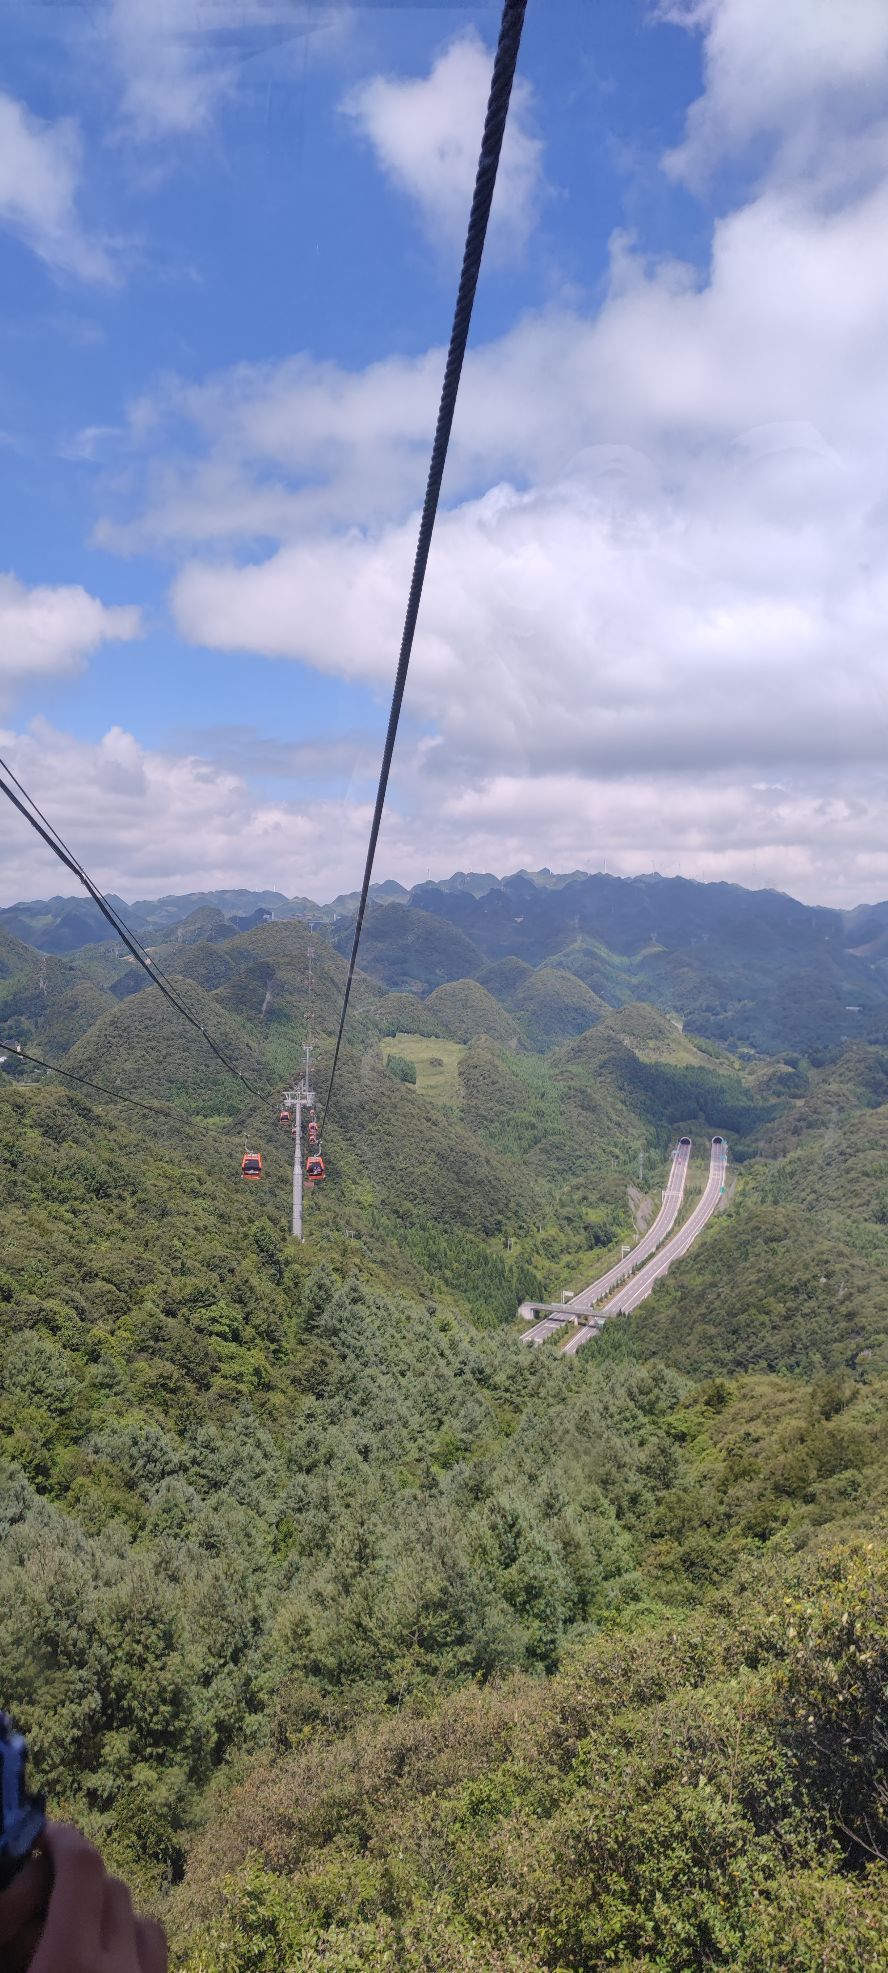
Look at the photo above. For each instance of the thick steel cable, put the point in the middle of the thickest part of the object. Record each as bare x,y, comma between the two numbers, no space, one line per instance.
134,945
98,896
161,1109
66,855
488,165
17,1054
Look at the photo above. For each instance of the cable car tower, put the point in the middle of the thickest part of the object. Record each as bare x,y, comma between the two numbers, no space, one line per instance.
299,1099
296,1100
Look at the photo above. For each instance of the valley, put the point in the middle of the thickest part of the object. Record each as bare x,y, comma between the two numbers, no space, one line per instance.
358,1632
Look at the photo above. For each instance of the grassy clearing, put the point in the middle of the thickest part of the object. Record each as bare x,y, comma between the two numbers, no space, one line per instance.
437,1064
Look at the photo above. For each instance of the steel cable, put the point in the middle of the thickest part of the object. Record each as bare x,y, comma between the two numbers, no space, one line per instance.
133,944
137,1102
488,164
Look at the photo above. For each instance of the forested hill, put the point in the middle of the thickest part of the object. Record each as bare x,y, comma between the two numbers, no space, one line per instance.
753,969
360,1634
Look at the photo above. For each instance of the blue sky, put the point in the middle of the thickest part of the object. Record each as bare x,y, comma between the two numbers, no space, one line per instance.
266,235
229,238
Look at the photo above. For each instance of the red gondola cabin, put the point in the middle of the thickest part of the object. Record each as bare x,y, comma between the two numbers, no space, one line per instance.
314,1168
251,1165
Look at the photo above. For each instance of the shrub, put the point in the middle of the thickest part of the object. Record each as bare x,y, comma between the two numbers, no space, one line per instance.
402,1069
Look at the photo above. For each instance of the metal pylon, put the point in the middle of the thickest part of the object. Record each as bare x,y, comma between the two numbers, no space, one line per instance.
299,1099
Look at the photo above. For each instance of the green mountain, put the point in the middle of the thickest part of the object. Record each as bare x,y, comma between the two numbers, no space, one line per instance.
552,1005
504,977
409,951
750,969
145,1049
744,967
464,1009
675,1798
358,1633
406,1013
45,1003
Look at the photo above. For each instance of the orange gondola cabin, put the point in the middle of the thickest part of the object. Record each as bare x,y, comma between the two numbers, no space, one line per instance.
314,1168
251,1165
284,1117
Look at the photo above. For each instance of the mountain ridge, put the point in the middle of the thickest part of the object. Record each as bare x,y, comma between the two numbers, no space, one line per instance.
863,922
754,970
310,1506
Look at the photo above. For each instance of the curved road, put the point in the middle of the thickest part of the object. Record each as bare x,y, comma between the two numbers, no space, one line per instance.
665,1220
647,1277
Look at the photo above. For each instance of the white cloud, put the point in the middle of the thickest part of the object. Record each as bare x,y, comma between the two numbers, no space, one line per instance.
603,620
661,578
146,823
179,61
167,88
822,846
426,133
284,444
48,632
654,586
801,74
40,171
789,326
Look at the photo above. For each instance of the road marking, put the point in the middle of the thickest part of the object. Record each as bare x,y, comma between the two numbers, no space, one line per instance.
587,1299
647,1277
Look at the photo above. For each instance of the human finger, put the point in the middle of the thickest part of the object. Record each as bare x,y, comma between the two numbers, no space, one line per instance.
118,1923
152,1946
19,1953
76,1901
25,1898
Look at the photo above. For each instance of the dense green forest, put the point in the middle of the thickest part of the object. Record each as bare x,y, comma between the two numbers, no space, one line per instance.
360,1634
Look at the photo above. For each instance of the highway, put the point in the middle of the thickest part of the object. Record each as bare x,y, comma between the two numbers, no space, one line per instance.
657,1231
647,1277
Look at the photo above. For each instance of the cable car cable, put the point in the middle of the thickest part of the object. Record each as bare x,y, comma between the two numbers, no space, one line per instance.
99,897
59,848
129,938
138,1102
491,146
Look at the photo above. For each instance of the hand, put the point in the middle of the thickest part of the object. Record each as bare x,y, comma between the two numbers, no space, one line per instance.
90,1925
22,1911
